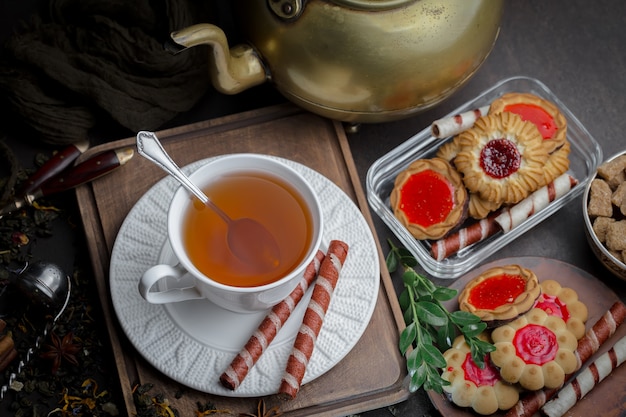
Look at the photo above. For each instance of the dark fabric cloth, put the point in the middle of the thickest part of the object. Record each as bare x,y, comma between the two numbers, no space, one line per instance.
8,171
91,56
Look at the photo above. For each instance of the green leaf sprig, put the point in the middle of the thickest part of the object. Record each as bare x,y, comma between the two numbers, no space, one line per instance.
430,327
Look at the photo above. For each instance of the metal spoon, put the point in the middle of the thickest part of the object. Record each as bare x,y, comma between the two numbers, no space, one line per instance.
247,239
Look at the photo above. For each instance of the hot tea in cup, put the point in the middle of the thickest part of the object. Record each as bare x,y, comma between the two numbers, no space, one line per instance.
251,186
264,198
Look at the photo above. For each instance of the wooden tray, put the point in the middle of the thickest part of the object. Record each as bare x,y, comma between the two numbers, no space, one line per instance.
282,131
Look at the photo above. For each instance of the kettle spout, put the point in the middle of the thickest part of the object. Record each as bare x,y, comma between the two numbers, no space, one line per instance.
232,70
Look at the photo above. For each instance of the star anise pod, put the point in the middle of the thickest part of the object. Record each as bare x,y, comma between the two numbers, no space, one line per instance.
263,412
61,349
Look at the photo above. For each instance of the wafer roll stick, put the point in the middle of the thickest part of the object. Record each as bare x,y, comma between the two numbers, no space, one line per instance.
465,237
238,369
590,343
453,125
313,318
586,380
538,200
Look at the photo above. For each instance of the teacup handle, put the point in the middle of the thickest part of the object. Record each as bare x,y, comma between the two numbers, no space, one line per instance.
159,272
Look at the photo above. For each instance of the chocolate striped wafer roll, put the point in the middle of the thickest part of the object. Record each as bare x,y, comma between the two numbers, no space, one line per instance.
584,382
465,237
453,125
313,319
238,369
503,220
538,200
604,328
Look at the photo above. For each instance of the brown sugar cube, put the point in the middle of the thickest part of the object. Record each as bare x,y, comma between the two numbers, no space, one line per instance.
600,224
616,236
600,199
618,198
617,180
613,171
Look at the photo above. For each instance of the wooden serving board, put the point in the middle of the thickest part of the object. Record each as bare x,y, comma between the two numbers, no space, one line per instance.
283,131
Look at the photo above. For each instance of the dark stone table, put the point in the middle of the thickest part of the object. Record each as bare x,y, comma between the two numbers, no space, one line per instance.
575,47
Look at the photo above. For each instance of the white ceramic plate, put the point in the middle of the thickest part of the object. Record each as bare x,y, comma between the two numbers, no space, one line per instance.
193,342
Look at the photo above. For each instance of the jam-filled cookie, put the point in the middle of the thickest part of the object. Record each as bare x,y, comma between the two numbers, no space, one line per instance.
535,350
563,302
429,198
545,115
500,294
501,158
482,389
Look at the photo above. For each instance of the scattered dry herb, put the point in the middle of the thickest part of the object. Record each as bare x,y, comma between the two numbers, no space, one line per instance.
208,409
151,405
62,389
430,327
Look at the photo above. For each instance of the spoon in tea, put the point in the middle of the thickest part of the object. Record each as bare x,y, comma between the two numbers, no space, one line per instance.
247,239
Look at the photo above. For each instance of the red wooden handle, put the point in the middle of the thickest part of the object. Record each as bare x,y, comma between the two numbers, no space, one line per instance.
88,170
53,166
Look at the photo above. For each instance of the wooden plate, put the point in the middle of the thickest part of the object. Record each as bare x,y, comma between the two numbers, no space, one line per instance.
607,398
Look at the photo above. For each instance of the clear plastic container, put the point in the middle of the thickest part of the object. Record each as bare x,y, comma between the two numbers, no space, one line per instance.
585,156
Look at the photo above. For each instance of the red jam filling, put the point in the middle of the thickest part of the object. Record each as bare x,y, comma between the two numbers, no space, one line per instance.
535,114
552,305
496,291
427,198
489,375
535,344
500,158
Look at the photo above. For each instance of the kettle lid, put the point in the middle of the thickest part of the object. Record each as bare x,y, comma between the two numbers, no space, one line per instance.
292,9
372,4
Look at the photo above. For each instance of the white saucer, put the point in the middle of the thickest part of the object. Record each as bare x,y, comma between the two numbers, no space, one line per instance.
193,342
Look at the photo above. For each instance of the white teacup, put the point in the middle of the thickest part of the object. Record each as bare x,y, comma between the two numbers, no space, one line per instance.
298,215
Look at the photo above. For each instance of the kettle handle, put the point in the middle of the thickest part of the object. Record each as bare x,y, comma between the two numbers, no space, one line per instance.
232,70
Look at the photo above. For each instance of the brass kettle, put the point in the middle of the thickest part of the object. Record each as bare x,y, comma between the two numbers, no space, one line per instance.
357,61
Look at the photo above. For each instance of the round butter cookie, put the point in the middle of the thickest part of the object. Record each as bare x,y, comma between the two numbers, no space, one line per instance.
500,294
479,208
501,158
429,198
448,150
535,350
545,115
564,303
470,386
